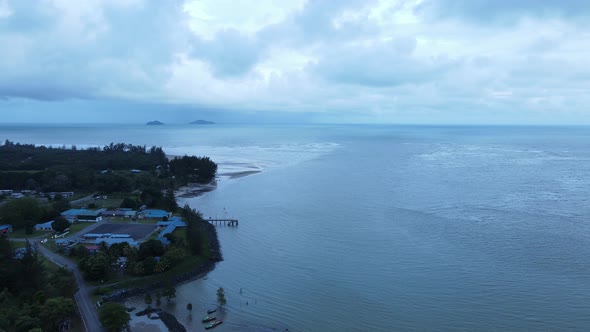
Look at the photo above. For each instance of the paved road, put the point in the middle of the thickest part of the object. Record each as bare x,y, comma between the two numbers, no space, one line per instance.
87,309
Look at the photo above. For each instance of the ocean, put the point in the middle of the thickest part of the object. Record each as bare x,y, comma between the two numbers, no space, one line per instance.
383,227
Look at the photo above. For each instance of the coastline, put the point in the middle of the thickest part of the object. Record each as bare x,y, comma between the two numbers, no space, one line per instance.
200,271
171,323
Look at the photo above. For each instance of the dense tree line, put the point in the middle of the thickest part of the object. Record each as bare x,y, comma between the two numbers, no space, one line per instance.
194,230
107,169
194,169
25,213
16,156
151,257
32,296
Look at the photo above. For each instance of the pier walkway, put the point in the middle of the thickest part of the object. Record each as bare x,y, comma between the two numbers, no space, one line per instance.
228,222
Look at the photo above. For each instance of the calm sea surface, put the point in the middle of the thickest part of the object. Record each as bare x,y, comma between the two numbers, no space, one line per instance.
385,228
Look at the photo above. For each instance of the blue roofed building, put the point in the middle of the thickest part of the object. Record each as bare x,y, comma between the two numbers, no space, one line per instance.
111,241
169,227
73,215
155,214
5,229
44,226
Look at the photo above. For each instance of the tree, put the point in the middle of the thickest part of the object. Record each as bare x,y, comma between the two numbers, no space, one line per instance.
189,307
158,298
128,203
96,267
61,204
21,212
151,248
149,265
63,282
221,297
56,310
169,201
148,299
60,224
113,316
170,293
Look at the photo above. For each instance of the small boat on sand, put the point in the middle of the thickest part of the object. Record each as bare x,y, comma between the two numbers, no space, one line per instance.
208,319
210,311
212,325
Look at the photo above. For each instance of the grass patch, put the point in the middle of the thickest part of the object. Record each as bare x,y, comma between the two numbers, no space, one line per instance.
20,234
79,226
180,232
112,202
18,244
79,195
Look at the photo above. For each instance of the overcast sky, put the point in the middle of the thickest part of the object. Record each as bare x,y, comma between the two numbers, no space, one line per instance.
381,61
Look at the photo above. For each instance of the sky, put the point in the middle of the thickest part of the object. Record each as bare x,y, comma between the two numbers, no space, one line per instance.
296,61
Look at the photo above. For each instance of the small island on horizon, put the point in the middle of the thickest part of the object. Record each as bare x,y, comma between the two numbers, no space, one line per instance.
202,122
155,123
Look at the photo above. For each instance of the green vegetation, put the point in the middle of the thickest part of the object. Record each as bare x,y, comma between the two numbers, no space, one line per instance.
221,297
60,224
105,171
169,293
114,317
31,295
194,169
78,226
24,213
22,234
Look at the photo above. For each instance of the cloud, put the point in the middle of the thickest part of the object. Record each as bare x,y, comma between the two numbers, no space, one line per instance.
229,52
356,60
90,49
503,10
388,64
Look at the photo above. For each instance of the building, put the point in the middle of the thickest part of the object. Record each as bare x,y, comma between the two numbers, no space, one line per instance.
130,214
154,214
111,241
44,226
92,248
169,227
73,215
5,192
5,229
114,213
63,194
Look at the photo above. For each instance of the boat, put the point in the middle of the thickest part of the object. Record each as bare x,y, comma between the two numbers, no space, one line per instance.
208,319
212,325
210,311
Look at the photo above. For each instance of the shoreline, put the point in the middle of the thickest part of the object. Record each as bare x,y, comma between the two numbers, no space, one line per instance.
198,272
193,190
189,191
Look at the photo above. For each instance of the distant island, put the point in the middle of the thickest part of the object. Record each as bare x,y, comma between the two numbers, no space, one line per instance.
202,122
155,123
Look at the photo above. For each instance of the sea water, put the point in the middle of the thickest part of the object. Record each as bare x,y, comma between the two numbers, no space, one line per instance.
384,228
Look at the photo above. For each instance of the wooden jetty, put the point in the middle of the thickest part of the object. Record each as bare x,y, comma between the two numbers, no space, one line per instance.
228,222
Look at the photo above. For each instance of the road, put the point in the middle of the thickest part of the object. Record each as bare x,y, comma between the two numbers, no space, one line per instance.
87,309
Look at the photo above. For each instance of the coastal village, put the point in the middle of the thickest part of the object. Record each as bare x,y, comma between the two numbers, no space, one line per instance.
95,230
114,231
